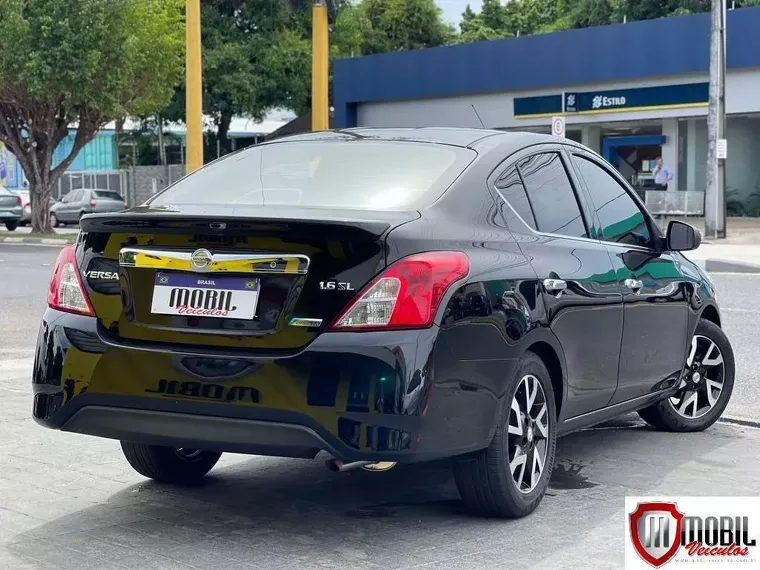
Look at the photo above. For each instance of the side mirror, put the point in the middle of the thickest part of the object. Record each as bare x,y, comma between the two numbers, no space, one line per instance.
682,237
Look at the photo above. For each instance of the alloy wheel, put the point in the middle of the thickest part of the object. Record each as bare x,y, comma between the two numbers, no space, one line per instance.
528,434
702,380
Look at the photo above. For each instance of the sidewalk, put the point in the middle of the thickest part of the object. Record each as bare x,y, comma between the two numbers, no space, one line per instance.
738,253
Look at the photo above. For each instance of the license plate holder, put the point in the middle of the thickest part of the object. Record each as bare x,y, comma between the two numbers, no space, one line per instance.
194,295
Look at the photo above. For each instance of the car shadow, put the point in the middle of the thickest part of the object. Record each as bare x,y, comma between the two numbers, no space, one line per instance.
267,512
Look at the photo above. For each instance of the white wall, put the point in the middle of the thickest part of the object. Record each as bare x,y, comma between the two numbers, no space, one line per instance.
496,109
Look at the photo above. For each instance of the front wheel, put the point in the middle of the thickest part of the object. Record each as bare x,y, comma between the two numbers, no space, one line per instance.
704,388
509,478
168,464
54,220
11,226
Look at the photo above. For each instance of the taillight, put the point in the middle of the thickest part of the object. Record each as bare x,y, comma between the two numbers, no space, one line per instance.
92,203
66,291
19,202
126,206
407,294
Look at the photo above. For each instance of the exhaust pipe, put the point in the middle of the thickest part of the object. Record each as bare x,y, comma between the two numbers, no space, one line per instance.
338,465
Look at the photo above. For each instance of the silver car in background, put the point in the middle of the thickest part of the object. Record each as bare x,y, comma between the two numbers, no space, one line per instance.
77,203
10,208
26,207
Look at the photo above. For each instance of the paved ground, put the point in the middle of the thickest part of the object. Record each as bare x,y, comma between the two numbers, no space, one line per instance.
71,502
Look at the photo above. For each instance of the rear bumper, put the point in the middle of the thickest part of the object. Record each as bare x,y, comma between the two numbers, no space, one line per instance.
359,396
10,215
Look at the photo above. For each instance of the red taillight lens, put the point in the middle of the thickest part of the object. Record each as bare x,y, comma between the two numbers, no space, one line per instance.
19,201
92,203
126,206
66,291
407,294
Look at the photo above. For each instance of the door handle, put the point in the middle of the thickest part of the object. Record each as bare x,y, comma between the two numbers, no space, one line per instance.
555,286
634,285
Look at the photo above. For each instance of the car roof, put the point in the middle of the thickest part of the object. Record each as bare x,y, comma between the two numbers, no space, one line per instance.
454,136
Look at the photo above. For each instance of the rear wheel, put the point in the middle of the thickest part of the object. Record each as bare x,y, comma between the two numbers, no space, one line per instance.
169,464
510,477
11,226
704,388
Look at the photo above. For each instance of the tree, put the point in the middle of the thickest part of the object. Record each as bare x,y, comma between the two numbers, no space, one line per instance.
78,65
256,56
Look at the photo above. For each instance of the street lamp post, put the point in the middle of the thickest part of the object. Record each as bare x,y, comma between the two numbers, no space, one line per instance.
319,67
193,87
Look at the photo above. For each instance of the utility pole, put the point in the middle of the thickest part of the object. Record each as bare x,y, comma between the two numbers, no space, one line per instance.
193,86
715,200
319,67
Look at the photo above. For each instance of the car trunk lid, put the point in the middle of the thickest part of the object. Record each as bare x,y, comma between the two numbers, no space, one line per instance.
237,279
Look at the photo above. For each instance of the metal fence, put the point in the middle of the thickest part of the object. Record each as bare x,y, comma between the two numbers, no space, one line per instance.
114,180
670,203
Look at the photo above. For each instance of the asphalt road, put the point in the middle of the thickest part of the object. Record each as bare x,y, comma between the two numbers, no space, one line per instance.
71,502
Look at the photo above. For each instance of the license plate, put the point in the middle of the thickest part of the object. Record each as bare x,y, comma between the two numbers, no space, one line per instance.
205,296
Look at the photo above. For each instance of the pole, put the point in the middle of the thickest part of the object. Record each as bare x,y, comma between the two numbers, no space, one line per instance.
319,67
193,86
722,120
713,190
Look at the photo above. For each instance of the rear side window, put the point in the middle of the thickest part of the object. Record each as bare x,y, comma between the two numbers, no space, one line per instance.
551,195
346,174
511,189
107,195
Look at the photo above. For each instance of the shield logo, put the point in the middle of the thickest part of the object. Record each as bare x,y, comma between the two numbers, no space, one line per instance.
656,532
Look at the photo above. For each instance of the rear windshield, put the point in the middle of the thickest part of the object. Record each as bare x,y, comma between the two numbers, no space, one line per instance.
376,175
107,195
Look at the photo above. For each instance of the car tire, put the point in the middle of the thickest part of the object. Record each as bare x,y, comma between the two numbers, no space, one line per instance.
11,226
486,482
706,372
168,464
54,220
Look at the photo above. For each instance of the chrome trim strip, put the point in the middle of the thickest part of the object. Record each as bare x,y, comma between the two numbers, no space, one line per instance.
297,322
267,263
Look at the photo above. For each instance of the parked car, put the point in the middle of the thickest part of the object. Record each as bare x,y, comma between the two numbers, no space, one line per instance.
10,208
77,203
26,207
385,295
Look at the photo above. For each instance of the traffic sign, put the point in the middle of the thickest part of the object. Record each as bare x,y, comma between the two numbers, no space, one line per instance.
558,126
722,148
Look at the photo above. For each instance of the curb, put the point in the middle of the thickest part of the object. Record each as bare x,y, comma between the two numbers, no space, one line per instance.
37,241
728,266
737,421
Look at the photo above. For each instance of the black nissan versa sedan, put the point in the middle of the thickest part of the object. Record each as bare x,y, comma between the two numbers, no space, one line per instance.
386,296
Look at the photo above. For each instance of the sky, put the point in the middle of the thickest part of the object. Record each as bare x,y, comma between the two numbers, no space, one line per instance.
452,9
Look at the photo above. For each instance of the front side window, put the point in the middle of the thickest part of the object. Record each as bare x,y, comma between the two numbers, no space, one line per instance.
622,221
551,195
347,174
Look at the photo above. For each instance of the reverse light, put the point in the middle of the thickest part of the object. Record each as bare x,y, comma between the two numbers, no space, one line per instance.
407,294
66,292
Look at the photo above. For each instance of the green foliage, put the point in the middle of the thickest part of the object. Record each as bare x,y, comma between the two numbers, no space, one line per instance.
82,63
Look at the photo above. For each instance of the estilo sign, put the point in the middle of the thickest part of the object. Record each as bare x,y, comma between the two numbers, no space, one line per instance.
678,532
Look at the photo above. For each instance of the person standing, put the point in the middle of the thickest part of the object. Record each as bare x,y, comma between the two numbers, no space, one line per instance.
662,175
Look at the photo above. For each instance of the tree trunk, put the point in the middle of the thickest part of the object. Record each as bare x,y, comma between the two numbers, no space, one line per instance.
161,145
39,198
221,133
